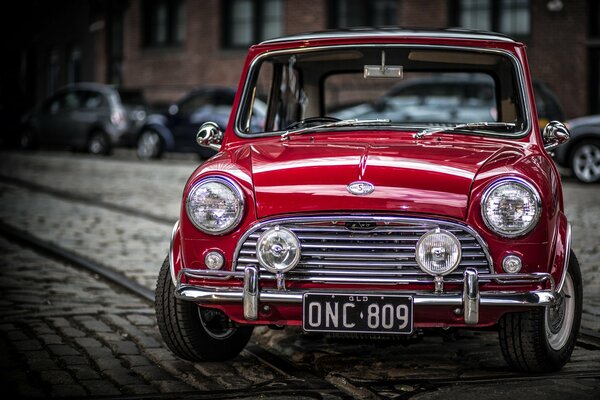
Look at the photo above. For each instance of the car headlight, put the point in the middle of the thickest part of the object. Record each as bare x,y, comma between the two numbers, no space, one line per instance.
511,207
438,252
278,250
215,205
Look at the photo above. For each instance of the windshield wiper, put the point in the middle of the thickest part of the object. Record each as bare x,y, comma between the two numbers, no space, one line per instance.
472,126
345,122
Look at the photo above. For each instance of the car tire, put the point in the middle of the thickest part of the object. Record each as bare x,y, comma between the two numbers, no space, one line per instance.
542,340
27,140
149,145
192,332
584,161
99,144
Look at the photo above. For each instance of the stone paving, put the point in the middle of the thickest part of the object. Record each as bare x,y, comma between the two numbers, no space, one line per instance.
64,332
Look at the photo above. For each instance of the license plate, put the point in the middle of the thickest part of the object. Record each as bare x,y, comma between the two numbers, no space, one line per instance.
389,314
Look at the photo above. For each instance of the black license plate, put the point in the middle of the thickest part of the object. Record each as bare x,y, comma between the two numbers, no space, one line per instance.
390,314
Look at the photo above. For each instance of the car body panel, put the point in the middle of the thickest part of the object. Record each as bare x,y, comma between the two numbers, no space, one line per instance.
441,176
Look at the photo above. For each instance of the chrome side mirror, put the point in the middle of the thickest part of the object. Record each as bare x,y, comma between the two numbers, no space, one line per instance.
210,136
555,134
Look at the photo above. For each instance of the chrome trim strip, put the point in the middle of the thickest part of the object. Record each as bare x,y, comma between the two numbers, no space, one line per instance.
567,259
369,218
499,182
250,297
516,63
235,188
536,277
471,297
392,33
211,295
171,256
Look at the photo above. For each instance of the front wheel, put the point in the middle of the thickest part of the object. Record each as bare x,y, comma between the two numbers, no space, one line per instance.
585,161
149,145
192,332
542,340
99,144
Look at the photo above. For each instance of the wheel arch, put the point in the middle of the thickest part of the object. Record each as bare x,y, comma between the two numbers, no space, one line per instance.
562,252
175,259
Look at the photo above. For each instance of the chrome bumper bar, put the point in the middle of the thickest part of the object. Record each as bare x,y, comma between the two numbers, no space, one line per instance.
470,299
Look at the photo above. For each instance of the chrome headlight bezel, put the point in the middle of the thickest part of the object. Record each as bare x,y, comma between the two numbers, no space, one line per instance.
239,204
293,247
535,199
457,254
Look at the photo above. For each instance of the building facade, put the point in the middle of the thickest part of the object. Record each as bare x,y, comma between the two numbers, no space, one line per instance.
166,47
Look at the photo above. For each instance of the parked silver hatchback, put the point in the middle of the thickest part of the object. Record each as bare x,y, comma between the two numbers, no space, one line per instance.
87,116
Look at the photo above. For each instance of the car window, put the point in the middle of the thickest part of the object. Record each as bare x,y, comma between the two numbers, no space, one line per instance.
93,100
194,102
64,102
430,87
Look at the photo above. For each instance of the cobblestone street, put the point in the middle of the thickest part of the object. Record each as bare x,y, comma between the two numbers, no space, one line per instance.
65,332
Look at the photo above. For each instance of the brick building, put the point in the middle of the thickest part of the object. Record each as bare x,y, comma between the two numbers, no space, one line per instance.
165,47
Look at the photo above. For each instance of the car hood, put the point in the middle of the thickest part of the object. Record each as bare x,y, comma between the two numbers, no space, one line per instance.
428,176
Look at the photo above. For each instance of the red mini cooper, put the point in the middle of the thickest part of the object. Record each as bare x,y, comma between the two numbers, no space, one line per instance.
358,209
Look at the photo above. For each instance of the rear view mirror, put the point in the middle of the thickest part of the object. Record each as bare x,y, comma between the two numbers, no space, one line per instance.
210,136
383,71
555,134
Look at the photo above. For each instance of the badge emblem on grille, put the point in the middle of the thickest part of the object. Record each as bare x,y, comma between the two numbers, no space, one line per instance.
360,188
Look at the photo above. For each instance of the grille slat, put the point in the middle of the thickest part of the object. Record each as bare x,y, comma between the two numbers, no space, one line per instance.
343,250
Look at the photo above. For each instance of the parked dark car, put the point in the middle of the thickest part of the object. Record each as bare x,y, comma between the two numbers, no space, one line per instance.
581,154
175,130
90,116
446,98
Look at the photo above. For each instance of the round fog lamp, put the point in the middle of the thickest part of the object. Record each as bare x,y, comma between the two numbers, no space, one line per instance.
438,252
214,260
278,250
511,264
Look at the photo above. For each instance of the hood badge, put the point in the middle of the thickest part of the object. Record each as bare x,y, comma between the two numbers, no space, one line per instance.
360,188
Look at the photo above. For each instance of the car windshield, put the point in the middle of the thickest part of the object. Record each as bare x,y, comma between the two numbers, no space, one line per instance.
416,88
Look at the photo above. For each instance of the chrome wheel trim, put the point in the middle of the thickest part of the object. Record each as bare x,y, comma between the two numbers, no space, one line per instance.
586,163
214,322
148,144
97,144
559,318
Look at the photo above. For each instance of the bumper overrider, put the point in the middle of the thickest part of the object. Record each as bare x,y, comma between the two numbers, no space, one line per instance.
470,299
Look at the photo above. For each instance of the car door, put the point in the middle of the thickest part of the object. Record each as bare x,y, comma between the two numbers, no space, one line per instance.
93,111
192,112
55,122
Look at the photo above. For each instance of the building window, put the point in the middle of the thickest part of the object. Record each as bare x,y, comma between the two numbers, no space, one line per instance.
511,17
354,13
74,66
52,72
247,22
164,23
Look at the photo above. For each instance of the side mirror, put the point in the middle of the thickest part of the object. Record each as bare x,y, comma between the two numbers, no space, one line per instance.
210,136
554,134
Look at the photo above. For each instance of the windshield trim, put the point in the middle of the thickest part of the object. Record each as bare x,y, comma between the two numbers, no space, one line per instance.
527,125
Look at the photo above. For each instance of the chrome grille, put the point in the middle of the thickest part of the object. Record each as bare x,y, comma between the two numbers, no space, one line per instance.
362,249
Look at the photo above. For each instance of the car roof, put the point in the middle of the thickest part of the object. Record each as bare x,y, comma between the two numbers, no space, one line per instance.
449,33
99,87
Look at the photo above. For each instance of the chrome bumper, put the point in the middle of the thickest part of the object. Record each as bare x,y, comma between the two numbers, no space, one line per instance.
470,299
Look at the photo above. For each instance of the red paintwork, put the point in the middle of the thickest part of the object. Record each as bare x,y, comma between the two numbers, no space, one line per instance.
437,176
